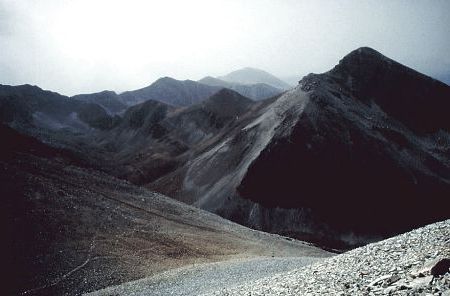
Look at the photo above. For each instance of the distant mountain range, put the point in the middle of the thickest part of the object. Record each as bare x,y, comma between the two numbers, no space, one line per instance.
252,83
257,91
253,76
181,93
29,106
171,91
352,155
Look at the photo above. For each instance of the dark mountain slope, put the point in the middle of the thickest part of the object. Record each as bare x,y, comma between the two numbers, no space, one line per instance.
445,77
27,106
351,159
154,138
418,101
171,91
330,160
214,113
257,91
109,100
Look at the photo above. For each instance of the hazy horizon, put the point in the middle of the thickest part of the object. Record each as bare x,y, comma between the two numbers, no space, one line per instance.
87,46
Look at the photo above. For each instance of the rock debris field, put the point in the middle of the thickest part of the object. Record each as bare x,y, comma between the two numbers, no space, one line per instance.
402,265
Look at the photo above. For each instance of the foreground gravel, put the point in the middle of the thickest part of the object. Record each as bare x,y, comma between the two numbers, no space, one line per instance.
205,278
396,266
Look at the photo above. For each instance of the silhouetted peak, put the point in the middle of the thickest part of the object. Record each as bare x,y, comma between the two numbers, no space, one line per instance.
207,78
365,53
107,93
23,87
363,60
165,79
229,96
418,101
250,75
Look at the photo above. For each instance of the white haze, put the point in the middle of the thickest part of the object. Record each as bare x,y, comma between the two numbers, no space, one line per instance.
80,46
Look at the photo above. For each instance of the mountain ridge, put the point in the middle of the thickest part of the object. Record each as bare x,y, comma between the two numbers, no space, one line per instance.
170,91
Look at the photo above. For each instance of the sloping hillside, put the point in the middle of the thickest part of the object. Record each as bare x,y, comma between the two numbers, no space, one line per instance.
70,229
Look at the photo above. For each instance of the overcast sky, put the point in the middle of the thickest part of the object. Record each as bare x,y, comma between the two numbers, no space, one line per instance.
81,46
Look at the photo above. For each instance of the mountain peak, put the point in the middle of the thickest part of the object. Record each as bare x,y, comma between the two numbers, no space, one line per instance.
229,95
365,52
418,101
362,62
250,75
226,103
165,79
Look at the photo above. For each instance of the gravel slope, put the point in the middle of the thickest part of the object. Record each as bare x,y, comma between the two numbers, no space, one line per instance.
205,278
396,266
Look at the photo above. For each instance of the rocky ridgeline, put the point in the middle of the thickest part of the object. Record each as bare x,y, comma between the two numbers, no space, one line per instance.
402,265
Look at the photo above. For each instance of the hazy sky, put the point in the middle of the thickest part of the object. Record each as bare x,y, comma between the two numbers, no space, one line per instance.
80,46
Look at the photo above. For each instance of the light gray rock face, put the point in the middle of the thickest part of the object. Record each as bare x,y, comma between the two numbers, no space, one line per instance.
397,266
257,91
252,76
